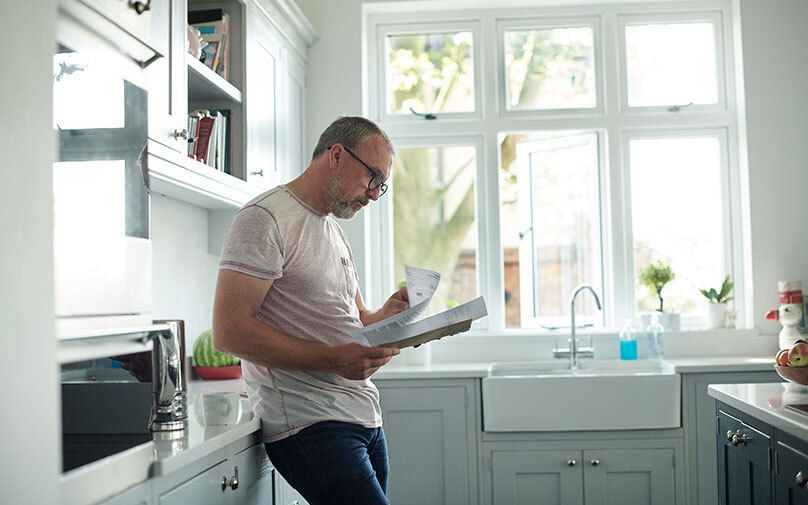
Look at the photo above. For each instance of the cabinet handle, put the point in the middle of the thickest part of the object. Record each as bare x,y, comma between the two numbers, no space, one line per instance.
571,462
801,479
739,438
180,134
224,483
259,173
234,483
594,461
729,435
140,7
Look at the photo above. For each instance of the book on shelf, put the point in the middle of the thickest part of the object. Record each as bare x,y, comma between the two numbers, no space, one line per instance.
214,27
209,140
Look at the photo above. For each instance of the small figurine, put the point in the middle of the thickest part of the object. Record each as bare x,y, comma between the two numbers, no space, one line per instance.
789,315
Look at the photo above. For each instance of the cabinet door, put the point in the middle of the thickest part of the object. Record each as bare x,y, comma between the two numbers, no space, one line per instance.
286,494
791,479
427,445
629,477
168,75
204,489
138,495
546,477
295,158
255,476
263,64
744,463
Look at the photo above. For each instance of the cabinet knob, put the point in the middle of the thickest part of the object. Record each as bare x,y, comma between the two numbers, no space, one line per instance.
234,483
739,438
259,173
571,462
729,435
801,479
224,483
140,7
594,461
180,134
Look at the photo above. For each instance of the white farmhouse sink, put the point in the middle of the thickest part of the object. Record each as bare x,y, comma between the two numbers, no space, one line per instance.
601,395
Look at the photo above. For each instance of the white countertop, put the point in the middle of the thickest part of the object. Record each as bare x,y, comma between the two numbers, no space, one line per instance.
767,402
474,370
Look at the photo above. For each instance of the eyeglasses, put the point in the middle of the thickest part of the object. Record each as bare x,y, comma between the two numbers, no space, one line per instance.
376,179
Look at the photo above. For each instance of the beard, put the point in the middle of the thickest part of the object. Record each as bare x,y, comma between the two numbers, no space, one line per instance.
338,205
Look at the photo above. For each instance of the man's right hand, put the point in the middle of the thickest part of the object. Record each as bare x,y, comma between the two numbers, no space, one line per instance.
357,362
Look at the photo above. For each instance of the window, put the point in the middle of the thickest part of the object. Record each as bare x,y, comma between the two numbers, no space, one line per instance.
585,143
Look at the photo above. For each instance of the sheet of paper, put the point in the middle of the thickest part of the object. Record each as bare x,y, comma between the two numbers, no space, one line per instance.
397,328
421,284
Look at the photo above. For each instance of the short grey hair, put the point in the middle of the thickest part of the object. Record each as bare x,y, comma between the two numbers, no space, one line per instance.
350,131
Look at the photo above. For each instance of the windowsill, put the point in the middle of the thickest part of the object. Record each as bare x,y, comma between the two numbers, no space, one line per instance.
599,332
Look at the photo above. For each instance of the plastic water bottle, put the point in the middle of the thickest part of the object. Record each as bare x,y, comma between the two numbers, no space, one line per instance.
656,343
628,341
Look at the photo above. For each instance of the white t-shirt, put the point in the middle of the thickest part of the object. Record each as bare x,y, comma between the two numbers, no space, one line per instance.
313,297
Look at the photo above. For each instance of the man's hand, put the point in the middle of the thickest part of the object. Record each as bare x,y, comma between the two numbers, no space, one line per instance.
398,302
354,361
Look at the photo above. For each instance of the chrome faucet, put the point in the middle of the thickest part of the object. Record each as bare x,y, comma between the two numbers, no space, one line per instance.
574,352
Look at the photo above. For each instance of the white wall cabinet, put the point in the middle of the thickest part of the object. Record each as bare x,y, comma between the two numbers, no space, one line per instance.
432,430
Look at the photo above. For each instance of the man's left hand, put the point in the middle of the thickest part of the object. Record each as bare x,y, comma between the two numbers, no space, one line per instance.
398,302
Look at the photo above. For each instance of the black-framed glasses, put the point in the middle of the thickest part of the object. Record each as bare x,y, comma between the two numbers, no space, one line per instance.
376,178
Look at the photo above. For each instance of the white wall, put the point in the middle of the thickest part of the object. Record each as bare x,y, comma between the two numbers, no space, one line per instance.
184,272
776,111
30,433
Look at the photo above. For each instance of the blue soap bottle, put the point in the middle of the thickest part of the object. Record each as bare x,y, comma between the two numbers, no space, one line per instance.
628,341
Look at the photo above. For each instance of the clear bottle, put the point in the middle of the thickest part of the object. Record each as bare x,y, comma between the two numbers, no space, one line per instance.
656,342
628,341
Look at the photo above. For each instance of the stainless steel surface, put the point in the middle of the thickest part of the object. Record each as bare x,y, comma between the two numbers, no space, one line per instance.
170,409
800,479
572,462
739,438
233,483
594,461
224,483
574,352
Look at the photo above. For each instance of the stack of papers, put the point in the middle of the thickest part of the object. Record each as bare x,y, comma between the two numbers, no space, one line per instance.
411,327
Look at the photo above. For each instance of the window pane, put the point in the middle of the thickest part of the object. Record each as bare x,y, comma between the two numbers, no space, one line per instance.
430,73
550,225
671,64
550,69
434,224
678,215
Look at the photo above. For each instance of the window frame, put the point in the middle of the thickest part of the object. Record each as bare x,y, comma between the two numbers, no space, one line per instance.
613,124
536,23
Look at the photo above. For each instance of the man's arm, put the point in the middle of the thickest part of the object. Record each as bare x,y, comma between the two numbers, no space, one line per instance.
237,331
398,302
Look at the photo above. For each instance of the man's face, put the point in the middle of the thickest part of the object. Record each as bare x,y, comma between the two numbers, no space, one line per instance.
348,191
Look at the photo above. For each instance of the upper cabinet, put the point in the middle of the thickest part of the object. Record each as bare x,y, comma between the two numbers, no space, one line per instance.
262,98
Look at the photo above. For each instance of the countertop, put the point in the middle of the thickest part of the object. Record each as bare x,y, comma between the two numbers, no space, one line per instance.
767,402
475,370
169,451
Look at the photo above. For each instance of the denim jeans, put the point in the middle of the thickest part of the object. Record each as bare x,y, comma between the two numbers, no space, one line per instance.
334,463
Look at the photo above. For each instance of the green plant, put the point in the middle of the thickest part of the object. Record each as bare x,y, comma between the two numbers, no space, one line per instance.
655,276
721,296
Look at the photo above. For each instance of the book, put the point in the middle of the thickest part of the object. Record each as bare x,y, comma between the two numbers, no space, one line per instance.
214,27
411,327
203,138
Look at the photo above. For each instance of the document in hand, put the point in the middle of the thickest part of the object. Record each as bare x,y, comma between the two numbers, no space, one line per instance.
411,327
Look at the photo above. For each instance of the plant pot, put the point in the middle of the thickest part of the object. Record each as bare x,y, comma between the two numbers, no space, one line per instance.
716,315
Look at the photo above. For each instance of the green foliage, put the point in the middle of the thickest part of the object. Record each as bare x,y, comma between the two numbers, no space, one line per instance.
655,276
722,295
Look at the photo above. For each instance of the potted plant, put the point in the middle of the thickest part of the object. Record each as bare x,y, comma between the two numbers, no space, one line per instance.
655,276
717,309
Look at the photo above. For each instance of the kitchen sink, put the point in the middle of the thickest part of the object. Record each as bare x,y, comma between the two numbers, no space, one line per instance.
600,395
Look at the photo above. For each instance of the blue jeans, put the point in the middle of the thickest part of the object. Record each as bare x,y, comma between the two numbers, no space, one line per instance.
334,463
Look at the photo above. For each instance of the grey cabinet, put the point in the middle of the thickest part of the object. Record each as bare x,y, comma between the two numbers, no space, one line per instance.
698,421
578,477
138,495
431,428
744,460
208,488
791,471
255,476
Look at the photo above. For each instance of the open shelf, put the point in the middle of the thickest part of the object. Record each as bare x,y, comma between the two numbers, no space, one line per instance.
205,84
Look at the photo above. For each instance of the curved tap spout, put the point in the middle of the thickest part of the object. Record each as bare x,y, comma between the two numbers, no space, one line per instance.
573,340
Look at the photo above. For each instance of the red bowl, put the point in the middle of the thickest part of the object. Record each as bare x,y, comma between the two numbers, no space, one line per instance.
218,372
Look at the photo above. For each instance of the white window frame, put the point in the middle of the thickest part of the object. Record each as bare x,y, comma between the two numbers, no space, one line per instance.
713,17
544,23
379,98
613,123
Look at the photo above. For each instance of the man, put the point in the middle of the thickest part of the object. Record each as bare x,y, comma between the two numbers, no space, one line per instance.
287,297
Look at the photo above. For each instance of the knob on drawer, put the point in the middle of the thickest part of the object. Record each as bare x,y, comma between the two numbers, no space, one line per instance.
801,479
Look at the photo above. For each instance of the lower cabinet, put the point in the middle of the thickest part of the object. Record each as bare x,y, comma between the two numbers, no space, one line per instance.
432,431
758,464
578,477
208,488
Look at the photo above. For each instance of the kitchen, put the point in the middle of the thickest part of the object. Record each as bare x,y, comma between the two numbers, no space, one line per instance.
771,122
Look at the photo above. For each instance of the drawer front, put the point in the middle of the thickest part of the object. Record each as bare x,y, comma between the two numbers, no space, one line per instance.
741,437
792,475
